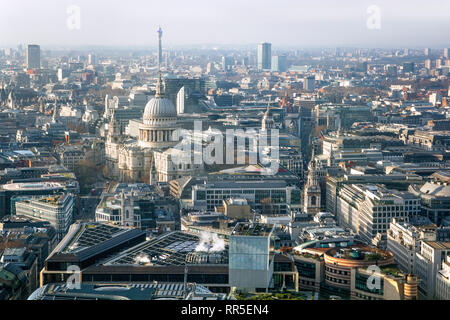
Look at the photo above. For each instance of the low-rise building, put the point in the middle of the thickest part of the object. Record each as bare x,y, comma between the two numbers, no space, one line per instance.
268,197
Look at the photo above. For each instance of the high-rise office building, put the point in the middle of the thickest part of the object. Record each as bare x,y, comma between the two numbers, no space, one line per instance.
309,83
391,70
446,53
210,69
279,63
427,51
181,97
33,56
92,59
362,67
264,56
408,67
250,265
227,63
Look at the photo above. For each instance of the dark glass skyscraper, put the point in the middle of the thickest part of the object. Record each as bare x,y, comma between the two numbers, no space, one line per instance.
264,56
33,58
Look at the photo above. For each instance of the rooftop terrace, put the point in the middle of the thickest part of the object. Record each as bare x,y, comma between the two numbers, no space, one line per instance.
255,230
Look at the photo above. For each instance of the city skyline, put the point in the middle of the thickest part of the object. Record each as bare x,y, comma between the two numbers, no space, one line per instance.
283,24
300,152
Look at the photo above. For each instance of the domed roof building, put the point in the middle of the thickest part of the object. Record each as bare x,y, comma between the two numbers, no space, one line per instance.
149,157
159,106
159,125
144,152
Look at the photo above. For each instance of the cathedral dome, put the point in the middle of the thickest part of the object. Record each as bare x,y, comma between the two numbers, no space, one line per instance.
159,107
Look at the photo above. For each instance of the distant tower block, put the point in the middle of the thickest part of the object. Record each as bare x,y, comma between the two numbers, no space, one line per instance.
33,56
160,34
181,96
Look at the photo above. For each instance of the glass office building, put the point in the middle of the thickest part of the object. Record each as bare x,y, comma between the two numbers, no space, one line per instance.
250,263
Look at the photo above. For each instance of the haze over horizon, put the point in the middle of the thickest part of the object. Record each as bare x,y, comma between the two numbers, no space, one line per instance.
284,23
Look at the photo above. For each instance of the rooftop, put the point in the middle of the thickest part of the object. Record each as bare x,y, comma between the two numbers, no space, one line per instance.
150,291
169,249
89,235
438,245
32,186
361,253
248,184
255,229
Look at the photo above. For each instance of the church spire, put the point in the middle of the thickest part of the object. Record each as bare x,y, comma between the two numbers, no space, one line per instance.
54,111
159,88
113,128
331,157
152,177
312,175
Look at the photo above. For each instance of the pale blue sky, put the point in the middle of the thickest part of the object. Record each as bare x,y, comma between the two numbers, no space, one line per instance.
298,23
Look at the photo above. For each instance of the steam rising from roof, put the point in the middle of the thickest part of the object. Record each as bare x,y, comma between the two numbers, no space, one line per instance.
142,259
210,242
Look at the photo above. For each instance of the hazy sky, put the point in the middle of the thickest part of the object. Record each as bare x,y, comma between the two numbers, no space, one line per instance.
299,23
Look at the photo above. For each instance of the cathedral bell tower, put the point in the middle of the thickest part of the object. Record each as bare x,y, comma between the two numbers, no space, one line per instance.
113,127
312,193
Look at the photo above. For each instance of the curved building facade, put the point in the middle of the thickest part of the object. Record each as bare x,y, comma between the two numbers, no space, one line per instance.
340,262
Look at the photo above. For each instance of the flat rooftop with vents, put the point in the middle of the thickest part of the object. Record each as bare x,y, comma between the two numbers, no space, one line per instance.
252,229
168,250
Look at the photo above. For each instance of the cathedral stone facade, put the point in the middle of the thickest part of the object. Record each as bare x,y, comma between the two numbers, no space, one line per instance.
312,192
131,160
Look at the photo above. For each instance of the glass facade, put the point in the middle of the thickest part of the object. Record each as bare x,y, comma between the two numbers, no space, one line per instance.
305,269
201,195
249,253
361,281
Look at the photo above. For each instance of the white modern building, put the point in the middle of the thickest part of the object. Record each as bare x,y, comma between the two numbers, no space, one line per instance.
57,209
369,209
404,239
265,196
428,264
443,281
